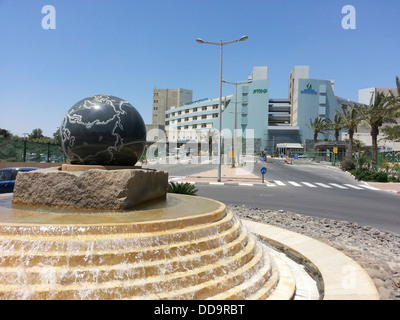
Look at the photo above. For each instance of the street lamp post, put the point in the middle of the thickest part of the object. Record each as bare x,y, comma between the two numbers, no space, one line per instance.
235,118
220,44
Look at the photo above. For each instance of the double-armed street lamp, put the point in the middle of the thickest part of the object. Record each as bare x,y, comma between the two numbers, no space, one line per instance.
221,44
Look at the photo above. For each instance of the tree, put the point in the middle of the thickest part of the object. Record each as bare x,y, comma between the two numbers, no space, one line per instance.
392,133
36,134
57,136
381,109
5,133
319,125
351,119
337,124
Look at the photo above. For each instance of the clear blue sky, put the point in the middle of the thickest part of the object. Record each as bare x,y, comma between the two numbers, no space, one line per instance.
127,48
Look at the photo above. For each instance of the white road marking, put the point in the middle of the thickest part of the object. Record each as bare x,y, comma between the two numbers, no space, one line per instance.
338,186
294,183
309,185
354,187
323,185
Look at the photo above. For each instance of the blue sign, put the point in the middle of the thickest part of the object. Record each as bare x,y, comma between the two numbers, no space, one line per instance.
309,89
263,170
195,101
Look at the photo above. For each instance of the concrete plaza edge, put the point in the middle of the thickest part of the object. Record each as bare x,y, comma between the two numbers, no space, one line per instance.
341,278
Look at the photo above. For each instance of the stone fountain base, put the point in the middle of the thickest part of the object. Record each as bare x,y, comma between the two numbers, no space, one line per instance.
183,247
94,187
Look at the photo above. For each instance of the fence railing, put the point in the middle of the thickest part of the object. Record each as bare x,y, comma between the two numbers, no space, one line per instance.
389,162
12,150
319,156
389,157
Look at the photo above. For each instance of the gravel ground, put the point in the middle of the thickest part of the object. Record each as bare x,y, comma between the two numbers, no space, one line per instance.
377,251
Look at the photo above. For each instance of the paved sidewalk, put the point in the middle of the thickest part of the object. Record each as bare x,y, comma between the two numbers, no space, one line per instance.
387,186
228,175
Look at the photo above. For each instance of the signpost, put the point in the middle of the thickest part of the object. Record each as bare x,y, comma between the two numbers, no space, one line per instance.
335,151
263,172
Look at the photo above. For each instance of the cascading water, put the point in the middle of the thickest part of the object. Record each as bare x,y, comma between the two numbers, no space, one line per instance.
179,248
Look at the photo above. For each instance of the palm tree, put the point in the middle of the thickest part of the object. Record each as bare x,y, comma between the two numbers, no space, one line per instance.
382,109
351,119
337,124
393,133
319,125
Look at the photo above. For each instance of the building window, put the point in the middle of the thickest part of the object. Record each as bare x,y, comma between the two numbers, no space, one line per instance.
215,115
204,116
204,125
204,108
194,126
194,117
155,101
187,111
194,109
215,106
186,119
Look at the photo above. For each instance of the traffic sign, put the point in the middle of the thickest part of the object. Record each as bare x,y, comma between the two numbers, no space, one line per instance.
263,170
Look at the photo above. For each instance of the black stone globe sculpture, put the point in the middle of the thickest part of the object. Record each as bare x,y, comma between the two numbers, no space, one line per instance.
103,130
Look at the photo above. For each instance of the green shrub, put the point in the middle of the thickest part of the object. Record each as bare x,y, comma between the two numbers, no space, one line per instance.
348,164
181,188
380,177
370,175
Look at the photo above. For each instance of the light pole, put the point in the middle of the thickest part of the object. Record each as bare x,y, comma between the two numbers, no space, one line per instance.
220,44
235,118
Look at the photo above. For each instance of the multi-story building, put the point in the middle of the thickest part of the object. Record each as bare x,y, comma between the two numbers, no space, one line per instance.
165,99
190,121
272,123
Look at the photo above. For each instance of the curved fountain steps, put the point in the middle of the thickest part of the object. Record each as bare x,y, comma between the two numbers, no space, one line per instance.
207,256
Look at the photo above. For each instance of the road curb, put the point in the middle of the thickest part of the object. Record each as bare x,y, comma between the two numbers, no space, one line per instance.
244,184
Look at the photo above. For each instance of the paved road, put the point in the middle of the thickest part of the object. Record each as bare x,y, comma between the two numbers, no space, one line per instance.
378,209
311,190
